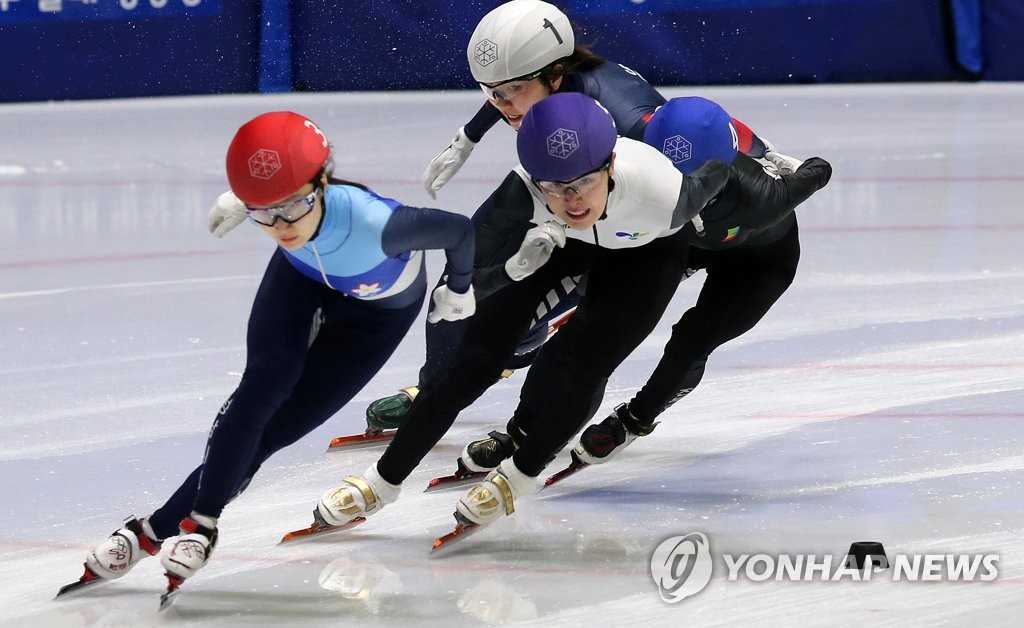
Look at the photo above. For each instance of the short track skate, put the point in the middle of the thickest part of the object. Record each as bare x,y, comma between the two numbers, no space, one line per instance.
573,467
317,529
463,528
88,580
370,438
462,476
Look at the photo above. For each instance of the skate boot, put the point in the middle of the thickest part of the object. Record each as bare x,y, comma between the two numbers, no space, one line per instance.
600,442
387,413
357,497
495,497
487,453
192,548
129,544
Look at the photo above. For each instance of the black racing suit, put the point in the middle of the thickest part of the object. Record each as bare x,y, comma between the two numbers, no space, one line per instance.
750,247
751,256
627,293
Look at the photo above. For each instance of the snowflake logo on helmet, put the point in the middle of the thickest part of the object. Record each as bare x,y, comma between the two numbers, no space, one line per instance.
563,143
264,163
485,52
677,148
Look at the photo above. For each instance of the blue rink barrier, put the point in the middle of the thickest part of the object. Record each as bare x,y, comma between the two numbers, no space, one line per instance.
78,49
408,44
72,49
403,44
1002,26
792,41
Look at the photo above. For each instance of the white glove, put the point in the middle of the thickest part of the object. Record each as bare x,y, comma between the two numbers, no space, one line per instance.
783,163
226,214
446,164
450,305
535,250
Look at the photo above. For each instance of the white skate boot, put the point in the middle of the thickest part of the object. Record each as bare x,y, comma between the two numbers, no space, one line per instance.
601,441
129,544
495,497
192,548
357,497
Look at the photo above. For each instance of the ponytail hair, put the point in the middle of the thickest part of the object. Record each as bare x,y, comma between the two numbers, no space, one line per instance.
581,60
328,170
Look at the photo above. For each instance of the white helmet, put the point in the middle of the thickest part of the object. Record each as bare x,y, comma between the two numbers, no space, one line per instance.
517,39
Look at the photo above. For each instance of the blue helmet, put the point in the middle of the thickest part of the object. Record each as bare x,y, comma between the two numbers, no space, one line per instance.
692,130
565,136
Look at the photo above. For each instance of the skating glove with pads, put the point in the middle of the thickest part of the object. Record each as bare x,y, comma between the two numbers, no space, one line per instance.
450,305
535,250
226,214
783,163
447,163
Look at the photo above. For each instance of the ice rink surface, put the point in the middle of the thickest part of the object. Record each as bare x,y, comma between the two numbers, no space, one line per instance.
880,399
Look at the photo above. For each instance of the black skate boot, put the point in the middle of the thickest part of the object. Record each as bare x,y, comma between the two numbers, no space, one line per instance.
600,442
388,413
487,453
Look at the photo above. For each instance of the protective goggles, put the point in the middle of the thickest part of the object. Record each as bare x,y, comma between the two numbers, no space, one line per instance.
507,90
579,185
289,212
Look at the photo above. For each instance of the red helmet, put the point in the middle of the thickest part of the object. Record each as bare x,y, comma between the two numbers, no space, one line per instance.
273,155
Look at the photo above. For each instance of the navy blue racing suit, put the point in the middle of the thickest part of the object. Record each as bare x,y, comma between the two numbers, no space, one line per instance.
324,321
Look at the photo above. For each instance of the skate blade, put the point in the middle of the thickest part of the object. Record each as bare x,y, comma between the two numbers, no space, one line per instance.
317,530
462,529
173,586
456,480
371,438
88,580
462,476
573,467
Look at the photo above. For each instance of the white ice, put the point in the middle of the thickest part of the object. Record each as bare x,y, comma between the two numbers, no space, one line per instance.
880,399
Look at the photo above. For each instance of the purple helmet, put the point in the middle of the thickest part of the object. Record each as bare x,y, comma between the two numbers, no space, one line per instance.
690,131
564,137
